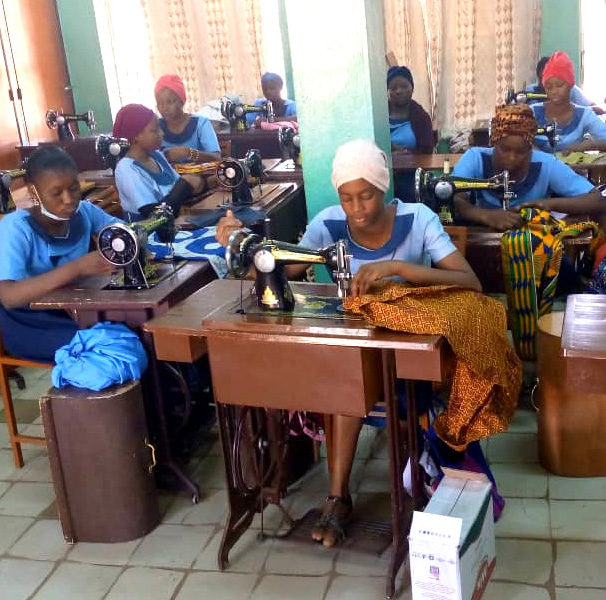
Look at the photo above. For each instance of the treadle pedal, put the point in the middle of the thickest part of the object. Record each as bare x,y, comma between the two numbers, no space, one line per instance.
362,535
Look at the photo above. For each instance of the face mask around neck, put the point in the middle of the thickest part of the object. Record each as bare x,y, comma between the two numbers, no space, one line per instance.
49,214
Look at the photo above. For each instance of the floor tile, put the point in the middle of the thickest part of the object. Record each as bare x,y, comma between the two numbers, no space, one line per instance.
524,518
524,421
514,591
140,583
103,554
11,529
375,477
33,390
172,546
520,480
224,586
4,485
578,520
43,541
247,556
579,594
316,479
513,447
348,588
301,501
362,564
273,587
26,410
19,579
211,473
8,471
73,580
580,564
211,510
523,561
36,469
27,499
577,488
5,443
287,557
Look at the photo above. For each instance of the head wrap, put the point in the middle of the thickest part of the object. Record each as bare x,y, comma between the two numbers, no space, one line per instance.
271,78
172,82
360,159
400,72
513,119
560,66
131,120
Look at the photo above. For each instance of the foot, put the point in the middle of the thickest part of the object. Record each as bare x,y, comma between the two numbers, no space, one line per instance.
330,528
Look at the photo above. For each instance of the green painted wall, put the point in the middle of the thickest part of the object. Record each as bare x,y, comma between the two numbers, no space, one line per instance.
561,30
84,63
339,77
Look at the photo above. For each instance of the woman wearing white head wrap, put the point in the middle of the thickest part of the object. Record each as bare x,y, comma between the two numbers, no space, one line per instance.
386,240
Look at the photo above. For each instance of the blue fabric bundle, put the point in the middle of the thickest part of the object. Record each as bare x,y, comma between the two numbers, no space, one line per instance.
96,358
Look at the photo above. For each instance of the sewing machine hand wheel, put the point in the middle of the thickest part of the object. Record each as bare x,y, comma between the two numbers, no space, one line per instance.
230,174
52,119
118,244
235,251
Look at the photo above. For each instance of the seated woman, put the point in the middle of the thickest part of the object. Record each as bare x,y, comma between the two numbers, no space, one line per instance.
43,248
144,177
574,123
187,138
387,240
284,109
409,123
537,175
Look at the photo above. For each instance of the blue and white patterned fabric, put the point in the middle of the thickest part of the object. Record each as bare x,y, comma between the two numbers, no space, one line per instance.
199,244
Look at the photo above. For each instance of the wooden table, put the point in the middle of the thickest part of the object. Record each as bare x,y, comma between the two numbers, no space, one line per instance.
241,142
282,170
82,150
89,303
407,161
283,202
336,366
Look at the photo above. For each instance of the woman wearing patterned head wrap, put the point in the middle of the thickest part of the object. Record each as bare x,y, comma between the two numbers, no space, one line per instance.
386,241
186,137
574,122
537,176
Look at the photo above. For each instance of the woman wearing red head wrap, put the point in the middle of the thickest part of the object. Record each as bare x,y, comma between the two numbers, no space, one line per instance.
578,127
187,138
144,177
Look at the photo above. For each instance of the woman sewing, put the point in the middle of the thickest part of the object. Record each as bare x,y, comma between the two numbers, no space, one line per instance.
44,248
537,176
284,109
144,177
387,240
187,137
578,127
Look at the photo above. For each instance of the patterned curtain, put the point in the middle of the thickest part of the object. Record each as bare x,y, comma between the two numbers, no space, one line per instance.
464,54
215,46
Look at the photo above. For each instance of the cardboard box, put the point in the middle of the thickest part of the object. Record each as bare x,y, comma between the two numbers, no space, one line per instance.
451,543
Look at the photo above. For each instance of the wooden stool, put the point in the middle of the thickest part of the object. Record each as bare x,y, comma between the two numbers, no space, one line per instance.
7,364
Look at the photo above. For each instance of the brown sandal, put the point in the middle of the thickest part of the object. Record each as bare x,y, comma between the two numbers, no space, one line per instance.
336,515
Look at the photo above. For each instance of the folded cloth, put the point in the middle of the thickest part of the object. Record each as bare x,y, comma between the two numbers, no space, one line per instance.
199,244
277,124
580,158
487,375
207,218
98,357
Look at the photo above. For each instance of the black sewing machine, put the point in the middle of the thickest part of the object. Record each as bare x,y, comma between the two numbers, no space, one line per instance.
246,249
60,121
233,174
235,112
513,97
125,245
6,179
290,145
111,150
550,130
437,192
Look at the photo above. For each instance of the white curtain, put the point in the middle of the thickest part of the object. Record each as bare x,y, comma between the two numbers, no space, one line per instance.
464,54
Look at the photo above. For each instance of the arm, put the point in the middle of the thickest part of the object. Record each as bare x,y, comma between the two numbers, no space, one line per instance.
423,129
451,270
586,204
493,218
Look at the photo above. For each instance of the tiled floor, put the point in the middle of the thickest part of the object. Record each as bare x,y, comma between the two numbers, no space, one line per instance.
551,540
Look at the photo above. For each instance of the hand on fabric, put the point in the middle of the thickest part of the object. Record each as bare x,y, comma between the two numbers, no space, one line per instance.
502,220
541,203
371,272
176,153
226,226
93,264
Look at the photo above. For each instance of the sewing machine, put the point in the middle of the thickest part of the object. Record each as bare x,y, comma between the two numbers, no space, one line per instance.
246,249
6,178
232,174
550,131
438,192
125,245
235,112
513,97
60,121
290,145
111,150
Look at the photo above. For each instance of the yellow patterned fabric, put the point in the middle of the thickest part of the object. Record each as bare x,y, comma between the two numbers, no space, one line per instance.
487,375
531,259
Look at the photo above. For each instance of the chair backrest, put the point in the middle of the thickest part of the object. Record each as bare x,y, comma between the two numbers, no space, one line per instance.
458,235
